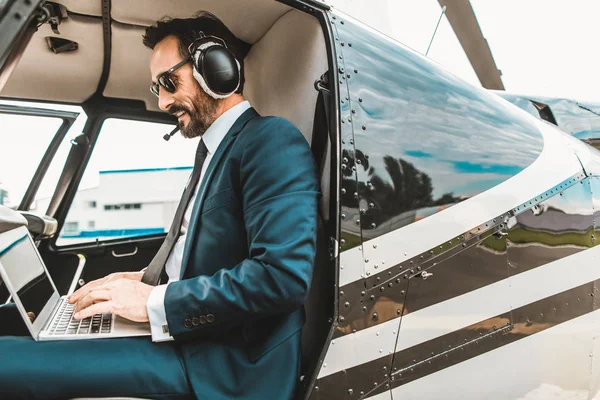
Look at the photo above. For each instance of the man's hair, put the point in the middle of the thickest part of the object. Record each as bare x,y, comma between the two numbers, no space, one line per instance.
187,29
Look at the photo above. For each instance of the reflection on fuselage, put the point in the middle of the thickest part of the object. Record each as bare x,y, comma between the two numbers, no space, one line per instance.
423,139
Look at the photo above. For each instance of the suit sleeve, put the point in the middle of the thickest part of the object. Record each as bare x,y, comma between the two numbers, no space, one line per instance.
279,189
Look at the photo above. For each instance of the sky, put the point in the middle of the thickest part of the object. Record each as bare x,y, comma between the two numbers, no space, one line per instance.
542,47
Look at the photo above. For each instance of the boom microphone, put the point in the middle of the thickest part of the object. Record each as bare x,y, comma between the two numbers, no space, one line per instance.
168,135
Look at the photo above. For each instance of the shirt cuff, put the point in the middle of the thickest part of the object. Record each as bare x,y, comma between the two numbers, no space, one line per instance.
157,315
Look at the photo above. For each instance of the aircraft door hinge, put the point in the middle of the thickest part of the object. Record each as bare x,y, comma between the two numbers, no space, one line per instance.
334,248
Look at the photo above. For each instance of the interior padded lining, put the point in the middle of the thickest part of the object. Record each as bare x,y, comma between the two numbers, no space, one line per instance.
129,76
10,219
248,20
68,77
86,7
282,67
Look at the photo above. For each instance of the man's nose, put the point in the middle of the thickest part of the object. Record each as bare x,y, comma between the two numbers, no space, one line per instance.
165,99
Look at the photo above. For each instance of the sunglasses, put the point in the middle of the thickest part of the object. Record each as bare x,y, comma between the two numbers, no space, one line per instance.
165,80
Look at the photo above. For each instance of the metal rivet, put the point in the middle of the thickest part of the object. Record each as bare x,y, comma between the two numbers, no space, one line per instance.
372,297
356,70
341,292
364,128
353,111
343,216
357,222
347,304
382,288
342,22
341,70
341,319
373,226
364,308
362,293
350,391
374,315
360,99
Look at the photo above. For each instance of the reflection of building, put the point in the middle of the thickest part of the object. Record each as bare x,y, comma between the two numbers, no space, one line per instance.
125,203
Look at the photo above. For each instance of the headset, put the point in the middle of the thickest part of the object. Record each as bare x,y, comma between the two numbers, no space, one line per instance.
214,66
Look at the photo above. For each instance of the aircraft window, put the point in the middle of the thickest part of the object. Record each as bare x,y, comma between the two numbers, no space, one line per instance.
23,143
132,183
580,121
522,103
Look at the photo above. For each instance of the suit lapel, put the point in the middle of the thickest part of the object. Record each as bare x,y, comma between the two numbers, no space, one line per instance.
207,179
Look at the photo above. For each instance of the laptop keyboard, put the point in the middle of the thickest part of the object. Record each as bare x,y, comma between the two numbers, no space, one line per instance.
65,324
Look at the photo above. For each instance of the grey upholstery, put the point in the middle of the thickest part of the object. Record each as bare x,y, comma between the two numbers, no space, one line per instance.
10,219
41,226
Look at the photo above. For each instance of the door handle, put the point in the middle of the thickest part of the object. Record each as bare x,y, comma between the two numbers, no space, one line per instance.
426,275
133,253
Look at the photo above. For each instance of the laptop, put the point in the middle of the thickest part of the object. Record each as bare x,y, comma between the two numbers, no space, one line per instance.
49,316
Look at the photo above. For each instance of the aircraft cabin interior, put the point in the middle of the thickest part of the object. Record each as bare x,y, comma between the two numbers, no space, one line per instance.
87,68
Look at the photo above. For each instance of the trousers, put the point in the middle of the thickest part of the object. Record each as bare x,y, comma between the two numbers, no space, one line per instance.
64,369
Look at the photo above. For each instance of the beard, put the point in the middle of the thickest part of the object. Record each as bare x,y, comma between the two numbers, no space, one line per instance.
201,116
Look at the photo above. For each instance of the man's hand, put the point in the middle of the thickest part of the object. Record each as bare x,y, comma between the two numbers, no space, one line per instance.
122,295
85,289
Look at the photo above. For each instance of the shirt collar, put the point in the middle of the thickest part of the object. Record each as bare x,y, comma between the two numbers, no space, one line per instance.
216,132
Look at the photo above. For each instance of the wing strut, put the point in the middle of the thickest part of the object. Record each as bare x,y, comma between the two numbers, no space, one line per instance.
462,18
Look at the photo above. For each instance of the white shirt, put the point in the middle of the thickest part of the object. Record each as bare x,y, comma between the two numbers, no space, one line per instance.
156,302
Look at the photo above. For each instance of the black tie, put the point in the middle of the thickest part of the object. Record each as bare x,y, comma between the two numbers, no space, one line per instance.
157,265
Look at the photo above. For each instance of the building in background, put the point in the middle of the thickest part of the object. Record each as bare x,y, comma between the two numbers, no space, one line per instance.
125,203
3,196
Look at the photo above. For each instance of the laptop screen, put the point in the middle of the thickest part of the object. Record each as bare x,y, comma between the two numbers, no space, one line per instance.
24,272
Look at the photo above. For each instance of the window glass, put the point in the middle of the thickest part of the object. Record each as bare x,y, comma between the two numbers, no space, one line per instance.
23,142
132,184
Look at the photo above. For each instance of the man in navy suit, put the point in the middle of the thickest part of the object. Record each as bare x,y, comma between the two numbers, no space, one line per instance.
227,323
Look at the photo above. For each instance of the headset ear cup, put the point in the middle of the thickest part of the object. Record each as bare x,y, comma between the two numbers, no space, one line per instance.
217,70
220,70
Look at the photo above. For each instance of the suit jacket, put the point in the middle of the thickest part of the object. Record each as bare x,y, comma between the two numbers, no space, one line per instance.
237,311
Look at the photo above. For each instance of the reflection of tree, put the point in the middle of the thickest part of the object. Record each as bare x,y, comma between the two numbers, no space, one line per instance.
406,189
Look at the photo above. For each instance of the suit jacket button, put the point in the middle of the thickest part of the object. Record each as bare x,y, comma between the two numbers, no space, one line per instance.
195,321
202,319
187,323
210,318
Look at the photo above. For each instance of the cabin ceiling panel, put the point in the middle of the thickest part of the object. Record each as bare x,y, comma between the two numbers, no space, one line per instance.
249,20
129,76
67,77
86,7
